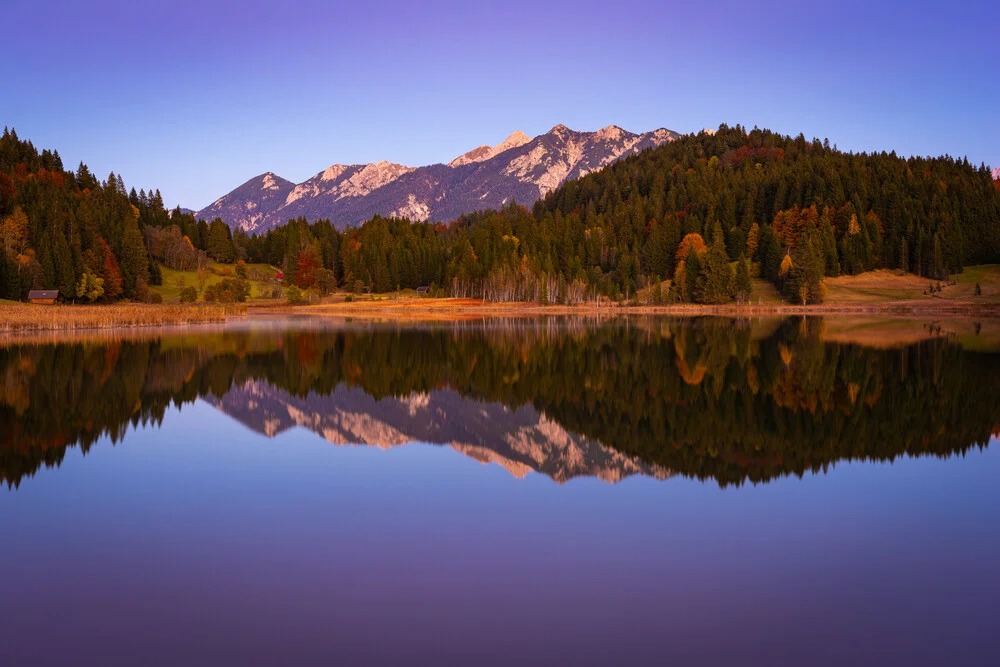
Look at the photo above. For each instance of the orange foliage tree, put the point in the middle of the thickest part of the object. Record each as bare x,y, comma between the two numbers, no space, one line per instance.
689,242
790,224
109,271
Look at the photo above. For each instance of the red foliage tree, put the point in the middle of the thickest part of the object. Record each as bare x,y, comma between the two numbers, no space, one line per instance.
110,272
306,269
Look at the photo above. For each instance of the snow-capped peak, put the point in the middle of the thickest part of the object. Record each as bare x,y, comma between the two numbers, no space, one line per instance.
609,133
483,153
516,138
268,183
996,174
518,168
333,172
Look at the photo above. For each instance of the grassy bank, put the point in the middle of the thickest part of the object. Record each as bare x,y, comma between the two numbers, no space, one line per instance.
449,309
174,281
18,317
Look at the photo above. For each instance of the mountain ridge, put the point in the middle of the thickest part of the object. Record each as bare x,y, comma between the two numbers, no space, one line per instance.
520,440
520,168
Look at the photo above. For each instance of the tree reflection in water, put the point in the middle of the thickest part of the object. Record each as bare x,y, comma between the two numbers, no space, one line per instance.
711,398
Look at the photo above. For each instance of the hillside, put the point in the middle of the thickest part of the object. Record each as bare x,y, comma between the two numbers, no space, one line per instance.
797,211
518,169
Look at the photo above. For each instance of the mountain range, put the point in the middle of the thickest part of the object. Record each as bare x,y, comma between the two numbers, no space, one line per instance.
521,440
996,174
520,169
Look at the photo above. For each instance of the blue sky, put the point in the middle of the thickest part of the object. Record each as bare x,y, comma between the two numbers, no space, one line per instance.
194,98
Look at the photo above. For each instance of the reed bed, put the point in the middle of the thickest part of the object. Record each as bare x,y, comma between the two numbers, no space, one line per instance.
16,318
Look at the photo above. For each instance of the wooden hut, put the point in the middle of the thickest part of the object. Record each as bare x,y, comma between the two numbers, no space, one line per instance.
423,289
45,297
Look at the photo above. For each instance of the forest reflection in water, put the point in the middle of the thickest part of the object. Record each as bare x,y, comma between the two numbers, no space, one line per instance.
717,399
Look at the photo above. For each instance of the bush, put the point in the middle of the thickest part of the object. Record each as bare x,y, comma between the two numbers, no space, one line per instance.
189,295
238,288
294,295
155,297
349,298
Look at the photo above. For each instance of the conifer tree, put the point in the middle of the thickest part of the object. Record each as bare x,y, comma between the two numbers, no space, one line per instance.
715,285
692,273
743,285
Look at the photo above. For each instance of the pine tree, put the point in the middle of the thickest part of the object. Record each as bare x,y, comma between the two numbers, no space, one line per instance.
743,285
134,261
716,281
692,272
770,254
805,279
656,292
753,240
220,242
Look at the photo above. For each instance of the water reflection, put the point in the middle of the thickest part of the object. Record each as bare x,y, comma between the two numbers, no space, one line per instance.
723,400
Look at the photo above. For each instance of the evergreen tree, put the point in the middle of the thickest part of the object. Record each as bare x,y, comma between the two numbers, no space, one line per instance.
134,262
743,285
804,284
715,285
220,242
692,272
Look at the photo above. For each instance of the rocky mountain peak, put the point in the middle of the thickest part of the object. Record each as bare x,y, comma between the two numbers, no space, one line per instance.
609,133
519,168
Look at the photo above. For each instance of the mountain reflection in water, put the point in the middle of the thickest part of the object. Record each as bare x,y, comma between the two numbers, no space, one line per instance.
716,399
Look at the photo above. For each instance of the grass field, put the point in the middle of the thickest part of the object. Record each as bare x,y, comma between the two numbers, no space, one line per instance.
170,290
765,293
885,286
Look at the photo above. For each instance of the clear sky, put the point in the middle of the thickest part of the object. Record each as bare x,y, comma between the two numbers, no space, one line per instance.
196,96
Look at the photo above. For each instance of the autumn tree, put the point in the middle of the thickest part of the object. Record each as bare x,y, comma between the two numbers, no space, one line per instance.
90,287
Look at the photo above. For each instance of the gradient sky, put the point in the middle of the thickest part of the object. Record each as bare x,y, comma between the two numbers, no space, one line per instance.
195,97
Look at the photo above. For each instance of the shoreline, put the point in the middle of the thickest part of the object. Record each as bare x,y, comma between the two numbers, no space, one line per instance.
455,309
18,319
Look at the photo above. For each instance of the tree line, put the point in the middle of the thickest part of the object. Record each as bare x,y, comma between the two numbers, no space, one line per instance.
707,212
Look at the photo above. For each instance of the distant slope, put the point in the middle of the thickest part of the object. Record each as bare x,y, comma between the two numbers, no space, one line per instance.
518,169
249,205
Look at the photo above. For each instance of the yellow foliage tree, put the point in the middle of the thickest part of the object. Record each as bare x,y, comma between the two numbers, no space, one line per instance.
786,267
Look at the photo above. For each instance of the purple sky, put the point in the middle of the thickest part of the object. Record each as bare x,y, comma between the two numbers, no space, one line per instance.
195,97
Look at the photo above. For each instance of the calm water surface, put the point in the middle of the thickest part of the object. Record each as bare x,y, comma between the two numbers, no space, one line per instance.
646,492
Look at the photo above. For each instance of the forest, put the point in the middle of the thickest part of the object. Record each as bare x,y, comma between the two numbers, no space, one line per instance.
709,398
694,220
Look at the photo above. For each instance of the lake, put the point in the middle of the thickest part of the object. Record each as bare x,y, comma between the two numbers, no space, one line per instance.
640,491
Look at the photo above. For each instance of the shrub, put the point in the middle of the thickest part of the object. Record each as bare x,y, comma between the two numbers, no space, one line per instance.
294,295
189,295
238,288
155,297
349,298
